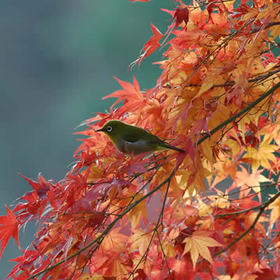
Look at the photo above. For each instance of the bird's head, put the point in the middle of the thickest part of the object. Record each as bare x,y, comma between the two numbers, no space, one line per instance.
114,129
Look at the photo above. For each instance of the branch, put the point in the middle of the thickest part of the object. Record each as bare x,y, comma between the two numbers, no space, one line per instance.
232,83
238,212
247,210
267,26
100,238
240,113
155,230
262,208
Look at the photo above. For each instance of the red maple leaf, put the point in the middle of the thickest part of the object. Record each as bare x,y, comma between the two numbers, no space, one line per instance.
8,229
150,46
181,15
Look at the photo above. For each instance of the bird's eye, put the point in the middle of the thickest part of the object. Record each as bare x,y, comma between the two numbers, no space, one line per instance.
109,128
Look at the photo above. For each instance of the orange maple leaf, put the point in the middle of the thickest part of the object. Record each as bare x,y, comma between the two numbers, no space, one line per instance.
140,242
138,213
198,244
114,241
248,181
8,229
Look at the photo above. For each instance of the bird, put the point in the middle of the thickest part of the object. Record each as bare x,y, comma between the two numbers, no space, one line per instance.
130,139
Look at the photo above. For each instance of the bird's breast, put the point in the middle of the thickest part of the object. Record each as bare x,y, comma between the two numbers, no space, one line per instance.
136,148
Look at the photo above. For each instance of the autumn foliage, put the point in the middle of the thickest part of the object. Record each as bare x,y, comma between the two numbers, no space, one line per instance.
209,213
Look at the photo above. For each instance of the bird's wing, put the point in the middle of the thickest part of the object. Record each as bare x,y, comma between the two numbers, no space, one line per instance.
134,137
130,138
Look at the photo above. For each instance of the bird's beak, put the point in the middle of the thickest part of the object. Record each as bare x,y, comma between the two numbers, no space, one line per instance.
97,130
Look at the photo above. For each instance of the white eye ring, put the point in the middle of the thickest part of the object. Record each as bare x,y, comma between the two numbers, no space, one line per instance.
109,128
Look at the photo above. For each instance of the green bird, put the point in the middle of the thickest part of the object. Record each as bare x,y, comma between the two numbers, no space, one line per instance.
130,139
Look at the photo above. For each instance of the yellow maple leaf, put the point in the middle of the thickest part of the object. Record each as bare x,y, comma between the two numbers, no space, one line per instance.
168,249
275,31
140,241
137,213
204,209
119,270
275,212
198,244
221,200
88,277
263,155
252,12
207,84
277,245
236,277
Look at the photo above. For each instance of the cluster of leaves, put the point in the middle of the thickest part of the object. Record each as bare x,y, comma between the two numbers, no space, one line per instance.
201,214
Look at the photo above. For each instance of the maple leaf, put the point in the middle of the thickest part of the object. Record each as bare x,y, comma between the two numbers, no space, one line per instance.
114,241
180,267
266,274
248,181
41,187
130,92
207,85
87,276
181,15
8,229
210,7
150,46
137,214
263,155
140,242
22,261
275,212
197,244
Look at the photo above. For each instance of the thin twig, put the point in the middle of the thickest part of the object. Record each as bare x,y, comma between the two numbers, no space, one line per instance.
97,241
164,256
154,230
246,210
262,209
232,83
240,113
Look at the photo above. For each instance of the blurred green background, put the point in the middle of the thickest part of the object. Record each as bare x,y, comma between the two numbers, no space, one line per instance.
57,62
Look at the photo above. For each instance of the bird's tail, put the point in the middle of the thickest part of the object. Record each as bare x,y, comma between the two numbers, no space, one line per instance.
166,145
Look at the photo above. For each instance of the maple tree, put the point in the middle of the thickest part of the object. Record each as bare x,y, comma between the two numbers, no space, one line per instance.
209,213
